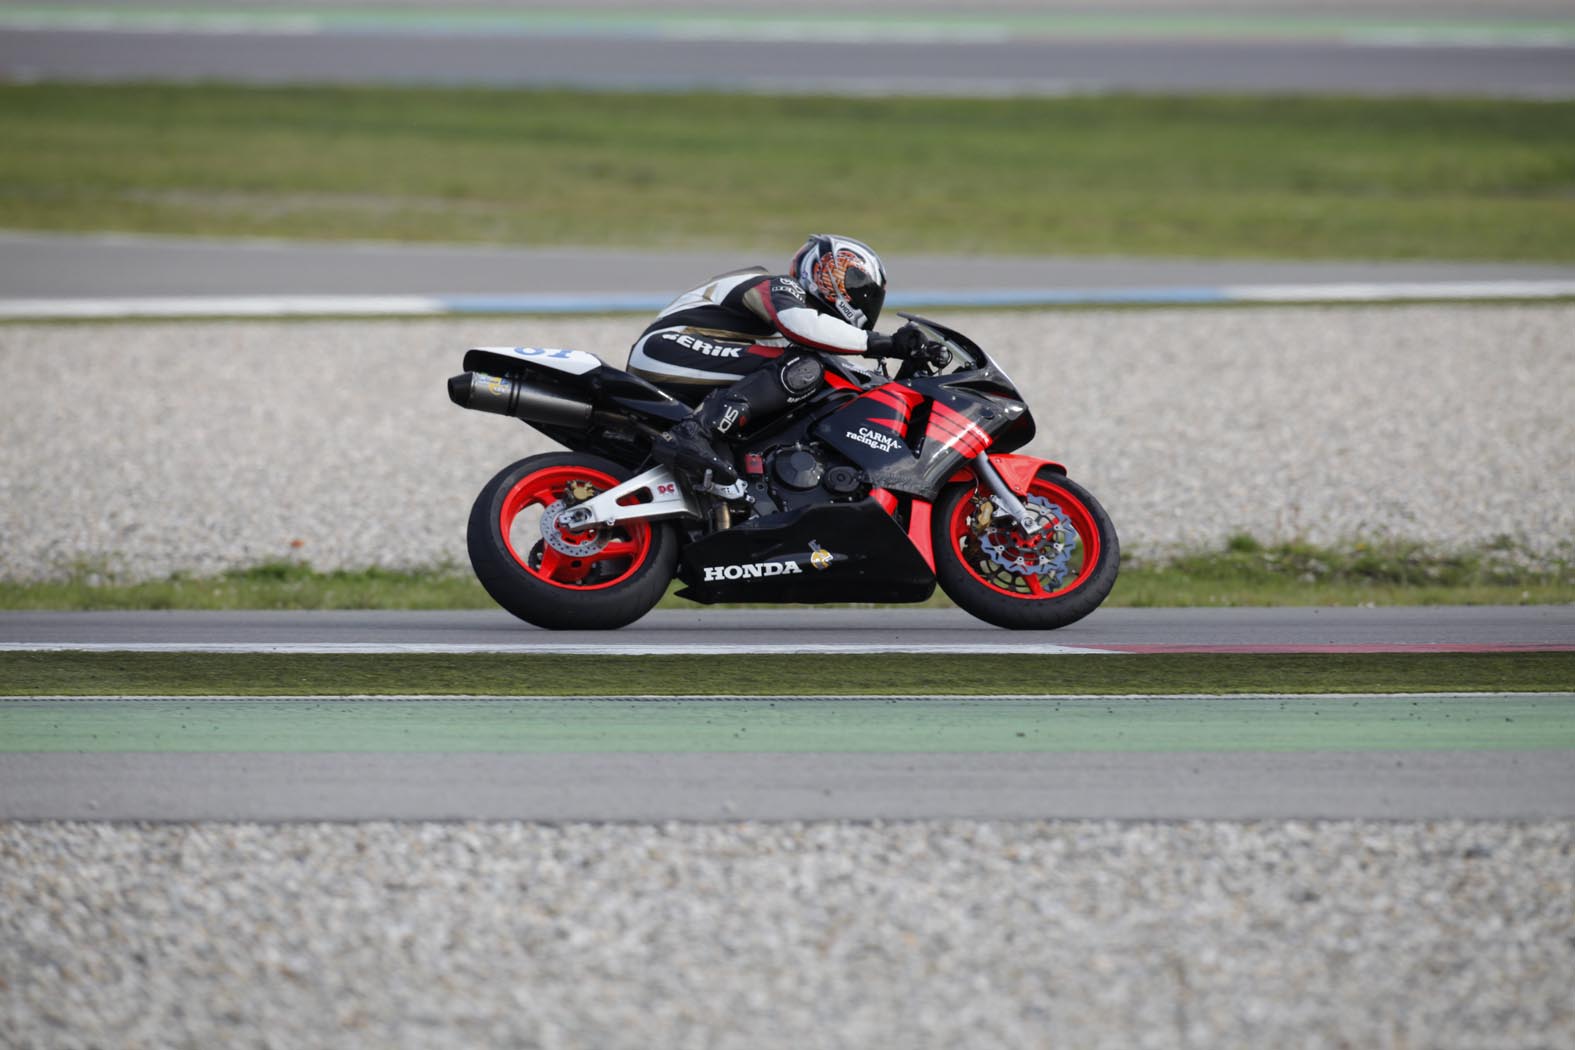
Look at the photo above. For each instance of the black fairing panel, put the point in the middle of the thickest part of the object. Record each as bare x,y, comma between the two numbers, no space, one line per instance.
635,394
835,552
913,453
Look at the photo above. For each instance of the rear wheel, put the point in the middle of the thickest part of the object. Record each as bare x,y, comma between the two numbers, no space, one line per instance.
556,578
1057,575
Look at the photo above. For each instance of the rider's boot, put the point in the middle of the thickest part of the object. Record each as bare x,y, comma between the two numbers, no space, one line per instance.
691,447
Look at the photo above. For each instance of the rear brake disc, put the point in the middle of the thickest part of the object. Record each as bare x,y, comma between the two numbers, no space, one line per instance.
559,541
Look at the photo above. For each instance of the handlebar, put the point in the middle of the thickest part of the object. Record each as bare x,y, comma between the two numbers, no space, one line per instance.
935,357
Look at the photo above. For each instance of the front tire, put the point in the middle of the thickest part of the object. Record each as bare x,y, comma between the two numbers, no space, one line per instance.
599,579
990,568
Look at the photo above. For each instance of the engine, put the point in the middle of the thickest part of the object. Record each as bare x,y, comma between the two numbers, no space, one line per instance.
788,477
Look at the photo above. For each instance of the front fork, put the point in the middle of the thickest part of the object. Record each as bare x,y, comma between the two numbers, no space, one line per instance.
1005,499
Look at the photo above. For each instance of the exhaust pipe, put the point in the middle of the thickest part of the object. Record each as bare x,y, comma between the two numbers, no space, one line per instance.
512,396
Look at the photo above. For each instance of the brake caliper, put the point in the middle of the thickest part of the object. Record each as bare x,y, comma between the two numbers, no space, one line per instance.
983,512
560,540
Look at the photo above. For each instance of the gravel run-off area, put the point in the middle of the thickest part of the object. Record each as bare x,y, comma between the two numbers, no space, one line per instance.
1064,934
151,448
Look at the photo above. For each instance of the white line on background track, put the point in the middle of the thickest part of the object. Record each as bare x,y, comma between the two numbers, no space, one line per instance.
558,648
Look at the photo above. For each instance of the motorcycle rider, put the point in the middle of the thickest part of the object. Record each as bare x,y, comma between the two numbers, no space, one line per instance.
744,346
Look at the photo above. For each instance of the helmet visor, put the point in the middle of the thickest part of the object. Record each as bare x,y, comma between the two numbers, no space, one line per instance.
864,295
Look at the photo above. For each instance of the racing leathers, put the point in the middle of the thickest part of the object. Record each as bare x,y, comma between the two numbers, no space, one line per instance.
743,347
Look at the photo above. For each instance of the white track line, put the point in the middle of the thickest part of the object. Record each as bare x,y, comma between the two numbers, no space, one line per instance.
1396,290
432,305
225,306
555,648
881,697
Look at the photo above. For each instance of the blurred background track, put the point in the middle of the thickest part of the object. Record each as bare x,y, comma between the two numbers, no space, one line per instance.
1524,50
59,266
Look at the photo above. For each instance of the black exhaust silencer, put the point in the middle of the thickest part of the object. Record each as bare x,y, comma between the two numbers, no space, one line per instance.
512,396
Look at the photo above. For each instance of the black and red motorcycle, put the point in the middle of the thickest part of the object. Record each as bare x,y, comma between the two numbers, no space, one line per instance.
873,490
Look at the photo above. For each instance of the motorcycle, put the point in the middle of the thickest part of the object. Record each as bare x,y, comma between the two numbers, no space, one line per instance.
874,489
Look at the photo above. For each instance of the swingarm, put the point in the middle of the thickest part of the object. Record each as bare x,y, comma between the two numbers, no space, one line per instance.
654,494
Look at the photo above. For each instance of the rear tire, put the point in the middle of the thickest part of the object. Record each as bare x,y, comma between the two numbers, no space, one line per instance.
607,578
1077,579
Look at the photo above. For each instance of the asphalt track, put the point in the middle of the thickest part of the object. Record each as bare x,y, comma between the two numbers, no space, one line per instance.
1392,757
1421,629
807,65
1504,756
1391,785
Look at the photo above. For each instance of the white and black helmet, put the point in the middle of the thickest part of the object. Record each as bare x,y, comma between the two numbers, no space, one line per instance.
845,275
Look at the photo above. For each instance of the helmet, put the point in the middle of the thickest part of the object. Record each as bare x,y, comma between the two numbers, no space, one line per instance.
844,275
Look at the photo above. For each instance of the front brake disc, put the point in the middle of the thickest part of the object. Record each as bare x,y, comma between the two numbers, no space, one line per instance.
1045,553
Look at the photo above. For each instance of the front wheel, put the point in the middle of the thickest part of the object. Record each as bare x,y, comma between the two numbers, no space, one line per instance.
1050,578
552,577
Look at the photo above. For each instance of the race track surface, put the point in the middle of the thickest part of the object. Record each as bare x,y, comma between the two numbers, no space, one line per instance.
54,266
788,630
653,786
1042,67
1505,756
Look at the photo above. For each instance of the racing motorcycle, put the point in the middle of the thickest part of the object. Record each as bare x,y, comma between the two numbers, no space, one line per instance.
874,489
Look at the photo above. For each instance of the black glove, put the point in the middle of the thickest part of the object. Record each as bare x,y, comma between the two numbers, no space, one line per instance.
905,343
909,342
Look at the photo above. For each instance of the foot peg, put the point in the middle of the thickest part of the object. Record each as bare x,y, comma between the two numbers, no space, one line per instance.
686,448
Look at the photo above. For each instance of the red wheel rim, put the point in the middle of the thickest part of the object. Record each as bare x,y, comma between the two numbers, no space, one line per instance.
618,558
1067,509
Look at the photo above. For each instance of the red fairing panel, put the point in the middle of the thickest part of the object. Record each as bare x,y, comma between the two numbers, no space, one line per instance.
919,531
918,523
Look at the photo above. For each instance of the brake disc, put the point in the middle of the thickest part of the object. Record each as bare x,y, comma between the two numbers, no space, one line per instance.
555,538
1044,553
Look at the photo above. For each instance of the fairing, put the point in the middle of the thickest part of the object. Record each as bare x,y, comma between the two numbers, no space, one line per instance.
837,552
911,437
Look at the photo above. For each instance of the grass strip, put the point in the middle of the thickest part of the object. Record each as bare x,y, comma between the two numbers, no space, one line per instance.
1244,572
549,726
1248,572
1151,175
274,585
901,674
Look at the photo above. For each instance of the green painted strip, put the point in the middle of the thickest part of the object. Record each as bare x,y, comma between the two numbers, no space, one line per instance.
541,726
900,674
871,26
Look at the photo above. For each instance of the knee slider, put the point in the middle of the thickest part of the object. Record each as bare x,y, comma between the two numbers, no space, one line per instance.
802,375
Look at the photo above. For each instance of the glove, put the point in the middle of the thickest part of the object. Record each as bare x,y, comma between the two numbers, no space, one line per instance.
909,342
905,343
